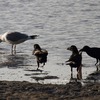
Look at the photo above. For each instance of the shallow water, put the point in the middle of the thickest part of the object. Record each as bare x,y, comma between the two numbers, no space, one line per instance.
59,24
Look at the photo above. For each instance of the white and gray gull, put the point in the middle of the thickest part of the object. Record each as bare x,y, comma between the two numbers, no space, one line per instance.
15,38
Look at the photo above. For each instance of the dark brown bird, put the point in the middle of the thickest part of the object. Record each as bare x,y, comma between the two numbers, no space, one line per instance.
75,60
92,52
41,55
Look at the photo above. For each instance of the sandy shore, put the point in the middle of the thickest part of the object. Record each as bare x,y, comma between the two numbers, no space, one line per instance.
32,91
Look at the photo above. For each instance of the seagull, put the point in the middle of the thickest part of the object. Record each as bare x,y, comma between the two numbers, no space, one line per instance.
15,38
41,55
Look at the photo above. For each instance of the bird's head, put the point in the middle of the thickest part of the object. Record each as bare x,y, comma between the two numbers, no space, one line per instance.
84,49
73,48
36,46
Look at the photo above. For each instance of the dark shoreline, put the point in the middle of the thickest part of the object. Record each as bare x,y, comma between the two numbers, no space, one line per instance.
15,90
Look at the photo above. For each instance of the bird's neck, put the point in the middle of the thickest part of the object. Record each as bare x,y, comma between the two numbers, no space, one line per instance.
38,48
88,52
75,52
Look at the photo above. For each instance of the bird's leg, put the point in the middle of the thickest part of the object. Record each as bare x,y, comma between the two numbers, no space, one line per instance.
14,49
43,65
97,68
71,70
79,72
78,69
38,65
97,65
71,75
96,62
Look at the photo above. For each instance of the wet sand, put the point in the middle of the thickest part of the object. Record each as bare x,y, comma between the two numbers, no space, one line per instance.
74,90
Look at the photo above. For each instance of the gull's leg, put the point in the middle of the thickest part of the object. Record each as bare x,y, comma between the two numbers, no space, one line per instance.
14,49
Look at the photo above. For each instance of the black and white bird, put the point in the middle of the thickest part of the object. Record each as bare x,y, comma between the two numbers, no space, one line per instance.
75,60
15,38
41,55
92,52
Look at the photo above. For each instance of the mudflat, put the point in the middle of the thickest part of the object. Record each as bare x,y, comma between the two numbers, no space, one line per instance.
15,90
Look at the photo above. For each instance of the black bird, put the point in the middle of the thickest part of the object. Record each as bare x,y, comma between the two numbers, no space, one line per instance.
75,60
92,52
41,55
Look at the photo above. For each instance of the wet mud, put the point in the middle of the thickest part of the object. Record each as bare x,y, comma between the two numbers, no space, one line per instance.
33,91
